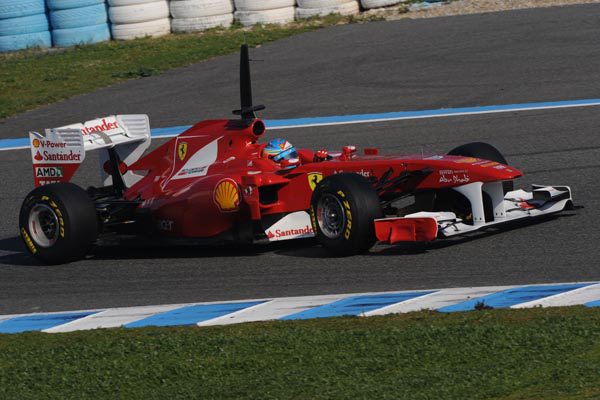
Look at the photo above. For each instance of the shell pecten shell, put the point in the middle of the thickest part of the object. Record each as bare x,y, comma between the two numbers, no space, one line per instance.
227,195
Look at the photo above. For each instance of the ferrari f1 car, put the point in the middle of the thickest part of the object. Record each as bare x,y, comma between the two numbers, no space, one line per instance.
214,182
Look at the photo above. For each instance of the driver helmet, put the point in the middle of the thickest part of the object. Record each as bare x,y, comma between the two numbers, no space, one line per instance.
279,150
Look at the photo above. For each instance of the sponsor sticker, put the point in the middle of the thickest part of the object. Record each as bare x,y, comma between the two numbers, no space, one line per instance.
466,160
198,162
49,172
165,225
489,164
348,229
58,156
56,148
28,241
282,234
293,226
182,149
192,171
362,172
313,218
454,177
107,124
348,213
227,195
313,179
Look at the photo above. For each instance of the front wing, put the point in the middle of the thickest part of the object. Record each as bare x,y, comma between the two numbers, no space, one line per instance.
515,205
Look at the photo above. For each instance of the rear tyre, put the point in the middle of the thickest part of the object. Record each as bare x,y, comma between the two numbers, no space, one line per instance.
485,151
342,210
58,223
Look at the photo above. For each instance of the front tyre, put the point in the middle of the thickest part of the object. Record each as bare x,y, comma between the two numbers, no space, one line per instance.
342,209
58,223
484,151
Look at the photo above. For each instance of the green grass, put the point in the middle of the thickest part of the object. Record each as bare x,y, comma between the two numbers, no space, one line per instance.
34,78
492,354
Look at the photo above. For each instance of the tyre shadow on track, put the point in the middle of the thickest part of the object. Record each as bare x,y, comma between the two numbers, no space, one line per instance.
143,251
17,253
421,248
304,248
139,249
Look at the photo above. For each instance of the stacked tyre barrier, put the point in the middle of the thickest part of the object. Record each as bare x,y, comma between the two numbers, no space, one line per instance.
77,22
252,12
368,4
139,18
42,23
321,8
200,15
23,24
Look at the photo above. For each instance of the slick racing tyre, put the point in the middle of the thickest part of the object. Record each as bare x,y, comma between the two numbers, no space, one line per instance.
261,5
277,16
156,28
485,151
342,209
138,13
69,4
21,8
83,35
24,25
321,3
368,4
79,17
201,23
25,41
119,3
350,8
200,8
58,223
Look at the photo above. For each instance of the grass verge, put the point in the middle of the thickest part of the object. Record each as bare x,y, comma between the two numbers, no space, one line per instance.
500,354
34,78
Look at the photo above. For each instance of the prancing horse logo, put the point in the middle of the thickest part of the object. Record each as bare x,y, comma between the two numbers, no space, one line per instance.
182,150
313,179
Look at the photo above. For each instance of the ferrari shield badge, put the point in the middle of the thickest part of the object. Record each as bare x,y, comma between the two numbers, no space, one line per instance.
182,150
313,179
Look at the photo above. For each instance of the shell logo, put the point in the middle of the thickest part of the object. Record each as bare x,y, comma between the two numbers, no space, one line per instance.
35,143
227,195
466,160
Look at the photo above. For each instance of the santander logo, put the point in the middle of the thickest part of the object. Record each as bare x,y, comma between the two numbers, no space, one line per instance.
104,126
280,233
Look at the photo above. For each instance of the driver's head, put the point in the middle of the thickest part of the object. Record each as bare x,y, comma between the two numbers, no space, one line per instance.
279,150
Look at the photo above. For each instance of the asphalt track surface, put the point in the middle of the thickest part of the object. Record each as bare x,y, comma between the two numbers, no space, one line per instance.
510,57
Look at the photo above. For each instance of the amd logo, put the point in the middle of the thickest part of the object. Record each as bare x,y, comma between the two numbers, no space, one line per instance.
48,172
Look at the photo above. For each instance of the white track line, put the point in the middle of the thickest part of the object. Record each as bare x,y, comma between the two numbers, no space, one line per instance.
439,299
274,309
571,298
112,318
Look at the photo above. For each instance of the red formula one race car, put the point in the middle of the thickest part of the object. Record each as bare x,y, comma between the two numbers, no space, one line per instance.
217,182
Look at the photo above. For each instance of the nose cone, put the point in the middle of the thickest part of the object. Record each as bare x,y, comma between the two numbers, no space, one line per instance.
485,168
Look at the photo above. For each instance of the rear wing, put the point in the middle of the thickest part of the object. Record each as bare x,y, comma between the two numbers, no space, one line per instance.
57,155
